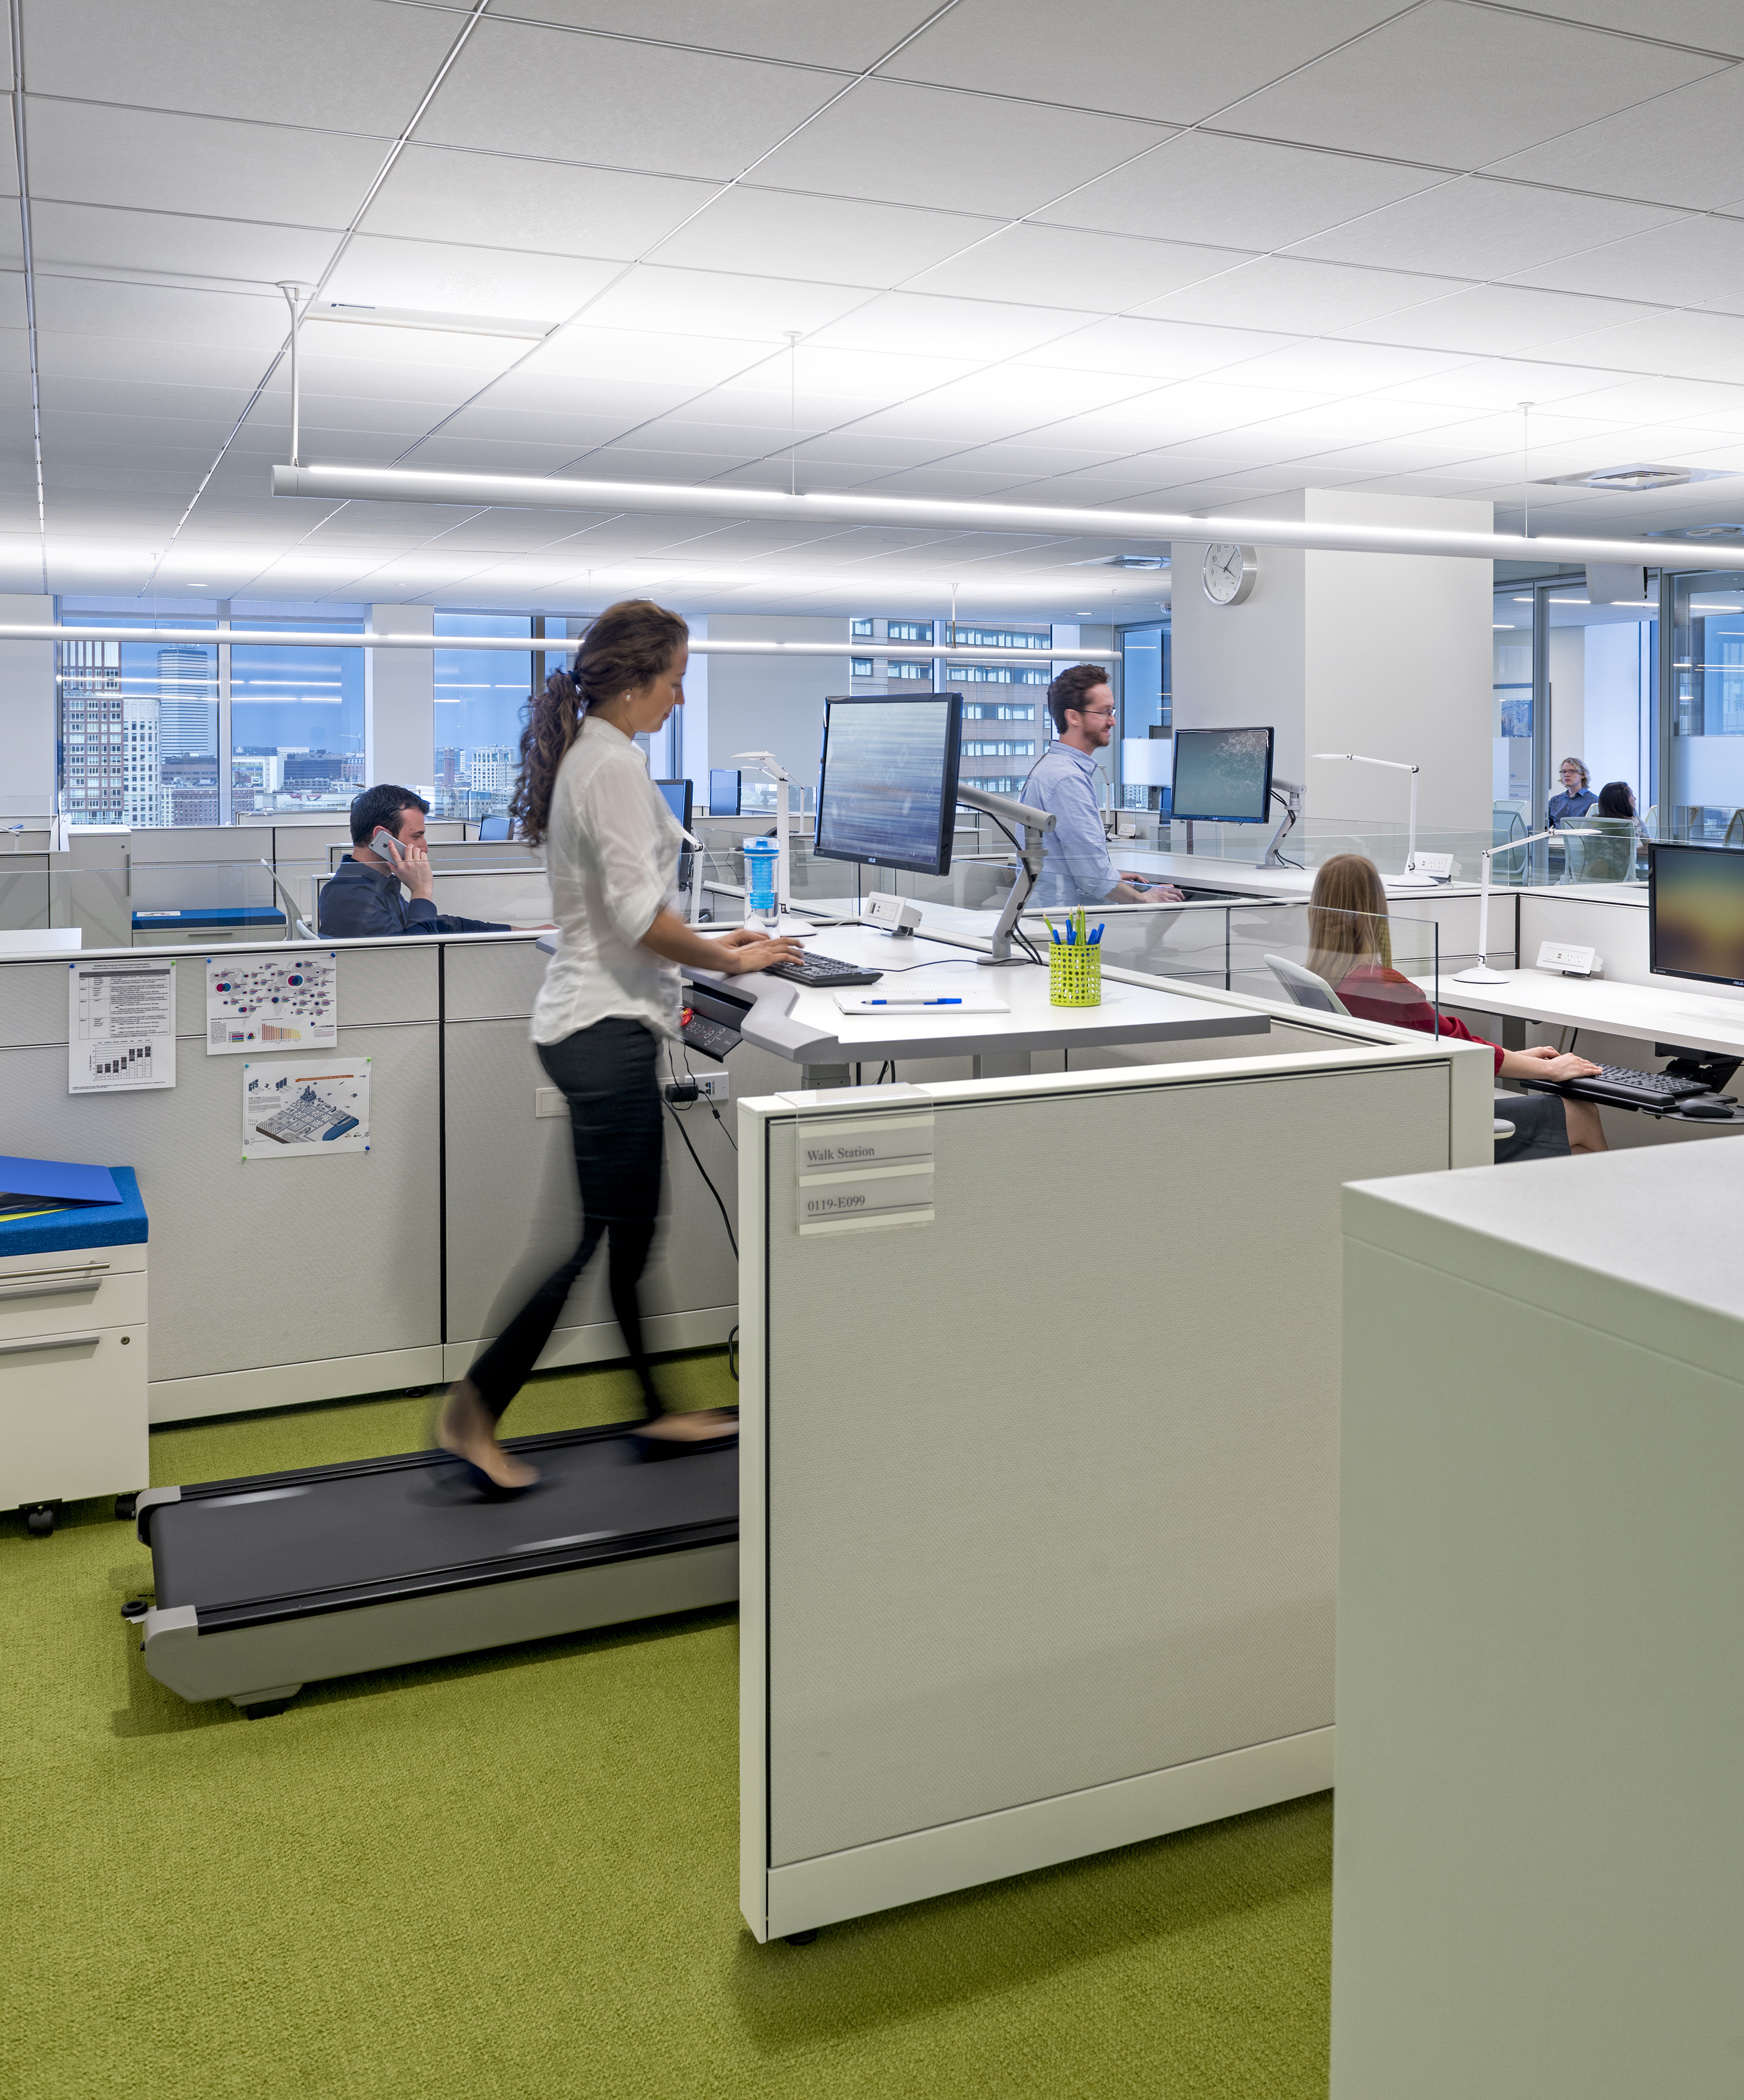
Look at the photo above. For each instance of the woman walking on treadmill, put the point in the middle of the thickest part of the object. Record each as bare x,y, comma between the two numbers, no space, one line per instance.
611,994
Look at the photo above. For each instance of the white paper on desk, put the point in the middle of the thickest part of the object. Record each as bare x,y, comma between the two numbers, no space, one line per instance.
894,1007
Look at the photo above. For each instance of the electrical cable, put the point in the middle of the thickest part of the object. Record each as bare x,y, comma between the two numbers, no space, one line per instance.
704,1172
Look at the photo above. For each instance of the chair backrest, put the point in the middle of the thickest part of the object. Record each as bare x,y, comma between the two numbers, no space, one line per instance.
493,827
1607,856
1305,988
1508,821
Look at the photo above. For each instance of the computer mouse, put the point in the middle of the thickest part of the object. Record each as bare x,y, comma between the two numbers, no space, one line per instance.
1708,1111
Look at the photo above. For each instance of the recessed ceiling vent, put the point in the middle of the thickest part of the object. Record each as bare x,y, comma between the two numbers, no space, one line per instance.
1124,561
1698,532
1632,481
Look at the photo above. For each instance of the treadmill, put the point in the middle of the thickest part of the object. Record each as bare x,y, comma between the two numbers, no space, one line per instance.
268,1583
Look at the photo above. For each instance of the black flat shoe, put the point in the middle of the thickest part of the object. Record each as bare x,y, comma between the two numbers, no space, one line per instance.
487,1489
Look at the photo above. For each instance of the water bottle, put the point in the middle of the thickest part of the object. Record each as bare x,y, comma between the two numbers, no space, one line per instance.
760,858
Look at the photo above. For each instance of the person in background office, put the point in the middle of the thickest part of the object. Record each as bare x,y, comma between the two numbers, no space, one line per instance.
361,899
1077,869
1577,796
1617,799
609,1001
1350,947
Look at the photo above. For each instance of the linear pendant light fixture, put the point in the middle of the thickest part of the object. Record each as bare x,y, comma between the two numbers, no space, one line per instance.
336,484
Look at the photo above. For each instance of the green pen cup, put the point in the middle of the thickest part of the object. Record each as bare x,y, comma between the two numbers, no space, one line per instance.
1075,973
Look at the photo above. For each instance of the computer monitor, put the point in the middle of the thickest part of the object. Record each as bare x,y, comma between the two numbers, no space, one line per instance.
493,827
1695,913
677,793
723,792
1222,776
887,790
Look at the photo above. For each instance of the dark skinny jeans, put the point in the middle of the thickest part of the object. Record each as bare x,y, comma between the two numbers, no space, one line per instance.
608,1076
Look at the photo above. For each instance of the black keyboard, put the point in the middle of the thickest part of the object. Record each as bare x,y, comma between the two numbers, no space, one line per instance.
713,1038
1631,1089
823,972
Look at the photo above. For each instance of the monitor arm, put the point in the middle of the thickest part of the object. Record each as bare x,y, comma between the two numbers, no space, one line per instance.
1289,793
1034,824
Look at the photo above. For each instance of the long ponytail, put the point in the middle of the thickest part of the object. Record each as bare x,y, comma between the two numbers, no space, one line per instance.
630,644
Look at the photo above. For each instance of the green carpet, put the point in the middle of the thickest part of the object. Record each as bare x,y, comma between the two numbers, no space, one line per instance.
516,1874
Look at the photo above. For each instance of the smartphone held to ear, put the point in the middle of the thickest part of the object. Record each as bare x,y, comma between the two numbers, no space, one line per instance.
388,847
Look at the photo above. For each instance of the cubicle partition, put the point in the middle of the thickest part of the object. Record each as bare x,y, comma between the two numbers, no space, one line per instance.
1038,1531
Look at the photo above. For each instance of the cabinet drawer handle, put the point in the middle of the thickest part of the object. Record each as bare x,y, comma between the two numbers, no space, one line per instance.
48,1341
56,1285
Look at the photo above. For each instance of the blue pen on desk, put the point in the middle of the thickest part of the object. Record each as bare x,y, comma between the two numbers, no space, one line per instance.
914,1002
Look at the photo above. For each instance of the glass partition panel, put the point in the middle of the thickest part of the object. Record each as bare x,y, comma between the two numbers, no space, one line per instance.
1703,798
138,726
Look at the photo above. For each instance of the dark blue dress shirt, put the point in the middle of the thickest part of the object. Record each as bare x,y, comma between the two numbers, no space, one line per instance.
359,903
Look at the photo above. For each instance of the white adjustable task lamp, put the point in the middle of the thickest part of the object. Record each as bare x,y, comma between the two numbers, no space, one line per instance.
767,763
1480,972
1413,877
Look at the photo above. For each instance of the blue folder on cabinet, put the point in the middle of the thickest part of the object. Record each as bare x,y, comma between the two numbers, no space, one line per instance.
46,1204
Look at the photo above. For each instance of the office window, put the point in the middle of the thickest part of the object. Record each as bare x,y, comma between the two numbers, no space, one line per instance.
981,674
1002,637
860,631
296,720
1702,797
909,630
997,783
861,667
481,701
1000,749
138,722
911,671
996,711
1039,676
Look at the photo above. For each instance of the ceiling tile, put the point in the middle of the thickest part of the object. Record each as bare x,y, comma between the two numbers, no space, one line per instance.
243,58
1054,266
1502,383
1175,414
976,328
1495,319
1280,293
657,110
1149,58
913,145
843,240
1661,400
1677,149
548,206
206,165
1461,85
1472,227
69,359
582,351
718,303
160,243
485,282
1154,349
1661,342
1699,262
797,30
1338,368
1711,25
228,320
1239,193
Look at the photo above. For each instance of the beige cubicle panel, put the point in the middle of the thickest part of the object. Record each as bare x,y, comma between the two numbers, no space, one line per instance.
1039,1504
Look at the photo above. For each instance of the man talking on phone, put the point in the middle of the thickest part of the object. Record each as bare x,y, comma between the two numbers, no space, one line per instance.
362,901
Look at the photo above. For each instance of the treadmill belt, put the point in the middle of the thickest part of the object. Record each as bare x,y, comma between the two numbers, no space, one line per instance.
245,1552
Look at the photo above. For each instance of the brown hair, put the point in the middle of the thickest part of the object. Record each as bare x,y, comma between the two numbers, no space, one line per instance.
1071,689
1586,777
629,644
1347,918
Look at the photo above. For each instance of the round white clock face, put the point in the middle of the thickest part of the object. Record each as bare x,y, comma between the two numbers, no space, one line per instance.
1227,573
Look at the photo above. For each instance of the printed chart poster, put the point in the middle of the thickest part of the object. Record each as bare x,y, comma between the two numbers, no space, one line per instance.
121,1026
317,1107
255,1001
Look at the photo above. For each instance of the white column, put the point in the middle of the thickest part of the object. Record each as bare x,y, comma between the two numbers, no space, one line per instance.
1387,654
29,721
399,702
693,719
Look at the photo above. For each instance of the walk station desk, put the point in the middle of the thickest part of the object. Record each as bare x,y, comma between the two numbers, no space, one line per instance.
1538,1888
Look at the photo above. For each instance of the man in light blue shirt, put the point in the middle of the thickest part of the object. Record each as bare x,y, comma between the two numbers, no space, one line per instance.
1077,869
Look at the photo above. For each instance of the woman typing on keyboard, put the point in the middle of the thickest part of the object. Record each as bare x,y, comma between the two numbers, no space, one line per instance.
610,996
1350,948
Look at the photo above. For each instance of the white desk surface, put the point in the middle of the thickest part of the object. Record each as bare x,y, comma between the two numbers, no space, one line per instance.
40,940
807,1026
1286,885
1671,1013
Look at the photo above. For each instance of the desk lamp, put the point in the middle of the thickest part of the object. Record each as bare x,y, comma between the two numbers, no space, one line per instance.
1411,877
768,764
1480,972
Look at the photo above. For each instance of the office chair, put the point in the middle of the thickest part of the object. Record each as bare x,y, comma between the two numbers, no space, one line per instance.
1308,990
1305,988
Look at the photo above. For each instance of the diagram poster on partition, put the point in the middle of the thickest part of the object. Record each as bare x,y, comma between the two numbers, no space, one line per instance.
256,1001
318,1107
121,1026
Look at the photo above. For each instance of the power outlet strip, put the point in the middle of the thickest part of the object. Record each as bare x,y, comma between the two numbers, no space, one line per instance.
549,1101
713,1086
1570,960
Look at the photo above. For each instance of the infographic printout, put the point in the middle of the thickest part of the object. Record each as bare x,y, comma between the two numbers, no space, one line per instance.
121,1026
254,1001
317,1107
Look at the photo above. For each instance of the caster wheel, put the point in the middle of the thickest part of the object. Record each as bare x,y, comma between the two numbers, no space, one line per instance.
41,1521
135,1608
264,1709
800,1939
126,1508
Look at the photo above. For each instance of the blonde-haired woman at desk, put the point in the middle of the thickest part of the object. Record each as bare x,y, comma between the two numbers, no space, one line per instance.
1350,946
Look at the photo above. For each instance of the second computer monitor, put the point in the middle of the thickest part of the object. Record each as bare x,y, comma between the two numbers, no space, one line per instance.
677,794
1695,913
887,791
723,791
1222,776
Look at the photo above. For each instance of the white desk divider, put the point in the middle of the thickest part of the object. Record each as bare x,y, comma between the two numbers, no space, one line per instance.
1038,1501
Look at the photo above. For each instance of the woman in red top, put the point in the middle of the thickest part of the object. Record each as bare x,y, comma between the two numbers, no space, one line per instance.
1349,945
